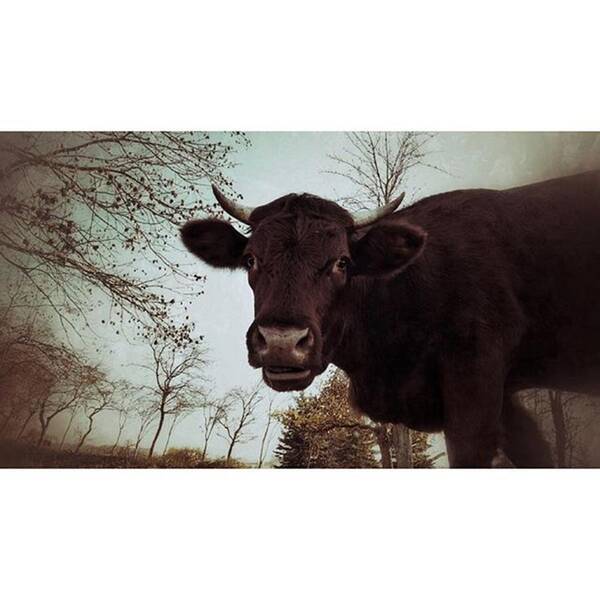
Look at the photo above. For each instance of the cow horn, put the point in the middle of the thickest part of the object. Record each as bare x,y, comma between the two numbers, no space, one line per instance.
238,211
371,216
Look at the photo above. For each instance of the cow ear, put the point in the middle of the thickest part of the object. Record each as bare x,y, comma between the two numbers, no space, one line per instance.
386,248
216,242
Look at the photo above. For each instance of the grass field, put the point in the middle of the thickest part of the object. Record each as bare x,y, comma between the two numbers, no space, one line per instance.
27,456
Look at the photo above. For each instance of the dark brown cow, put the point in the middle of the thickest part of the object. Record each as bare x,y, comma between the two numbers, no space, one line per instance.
438,313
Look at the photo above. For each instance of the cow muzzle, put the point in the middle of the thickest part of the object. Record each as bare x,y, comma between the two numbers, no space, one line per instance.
285,355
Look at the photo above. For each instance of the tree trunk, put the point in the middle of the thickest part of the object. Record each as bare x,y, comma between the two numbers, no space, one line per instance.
24,426
9,417
137,444
560,429
261,454
138,440
173,423
207,435
44,428
68,428
383,442
121,427
263,441
230,451
84,436
161,420
402,447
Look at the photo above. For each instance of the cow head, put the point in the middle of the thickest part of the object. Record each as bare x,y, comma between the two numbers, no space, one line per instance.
300,257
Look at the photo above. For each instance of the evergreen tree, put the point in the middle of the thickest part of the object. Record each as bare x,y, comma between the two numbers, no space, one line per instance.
323,432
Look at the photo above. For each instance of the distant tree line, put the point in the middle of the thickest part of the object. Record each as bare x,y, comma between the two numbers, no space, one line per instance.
43,381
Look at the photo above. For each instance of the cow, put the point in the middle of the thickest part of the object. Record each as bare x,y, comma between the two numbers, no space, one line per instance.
439,312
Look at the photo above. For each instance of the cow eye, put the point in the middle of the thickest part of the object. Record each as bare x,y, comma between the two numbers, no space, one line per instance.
342,264
250,261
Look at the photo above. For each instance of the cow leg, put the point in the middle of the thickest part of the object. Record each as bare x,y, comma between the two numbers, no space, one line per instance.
522,440
471,451
473,390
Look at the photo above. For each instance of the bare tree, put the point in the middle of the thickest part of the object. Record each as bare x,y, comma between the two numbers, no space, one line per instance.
185,405
88,212
122,405
100,399
176,370
239,415
31,365
146,414
15,329
25,371
377,165
72,412
172,426
266,439
36,390
567,421
33,383
11,404
40,375
212,412
65,395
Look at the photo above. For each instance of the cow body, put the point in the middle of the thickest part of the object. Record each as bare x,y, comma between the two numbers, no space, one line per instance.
502,297
513,275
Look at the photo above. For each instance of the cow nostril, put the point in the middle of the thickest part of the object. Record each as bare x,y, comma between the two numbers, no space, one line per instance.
260,340
306,340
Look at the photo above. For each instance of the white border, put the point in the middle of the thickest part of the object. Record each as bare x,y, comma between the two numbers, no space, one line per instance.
311,65
319,534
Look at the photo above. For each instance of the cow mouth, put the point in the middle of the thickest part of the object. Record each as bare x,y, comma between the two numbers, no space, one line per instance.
286,373
288,379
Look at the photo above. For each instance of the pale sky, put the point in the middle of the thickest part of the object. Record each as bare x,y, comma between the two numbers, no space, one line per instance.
280,163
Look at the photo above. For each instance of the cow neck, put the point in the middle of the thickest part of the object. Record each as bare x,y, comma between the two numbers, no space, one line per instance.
387,348
384,317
